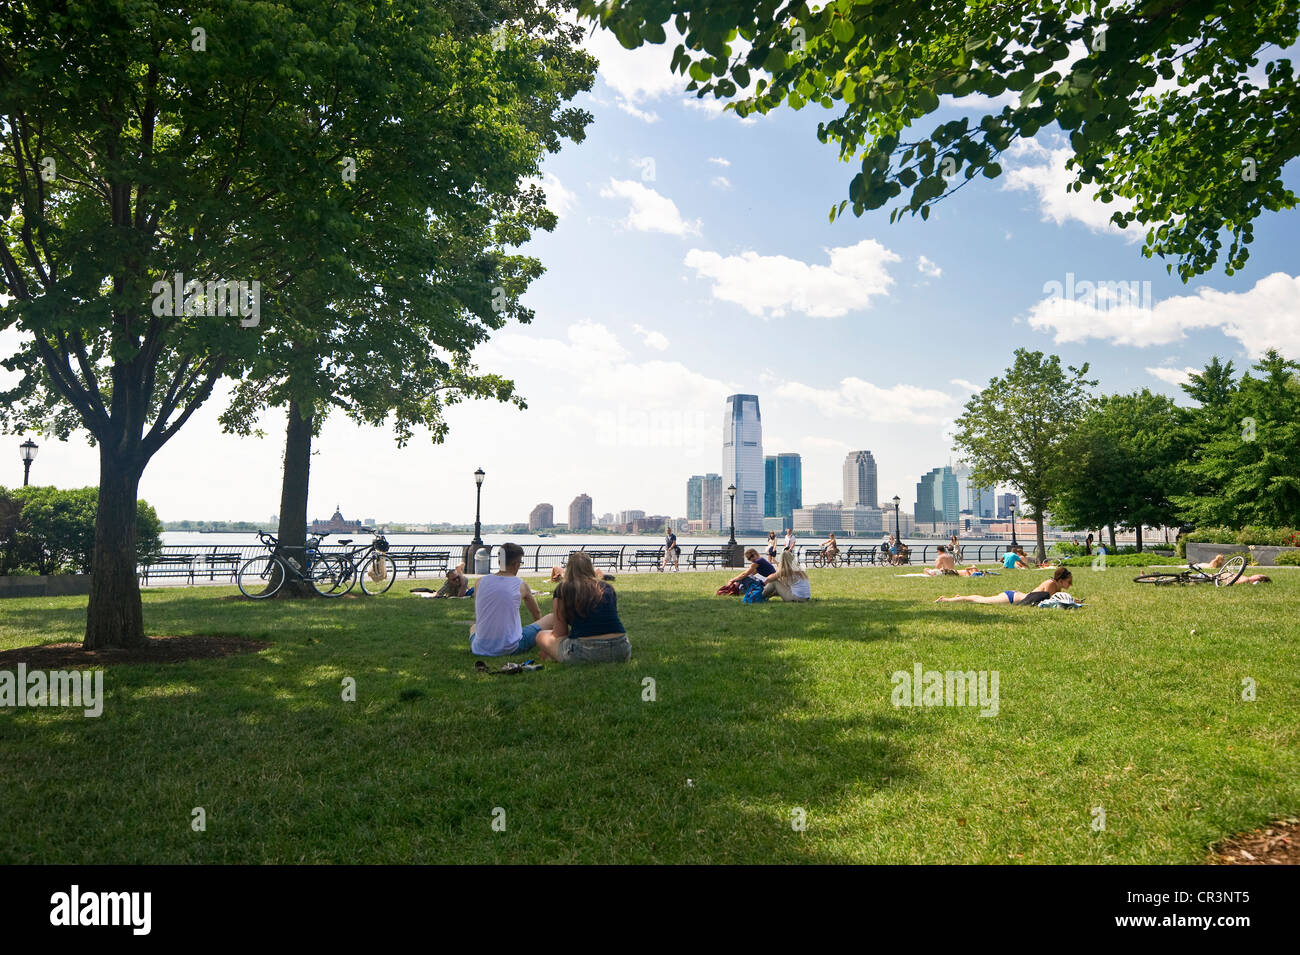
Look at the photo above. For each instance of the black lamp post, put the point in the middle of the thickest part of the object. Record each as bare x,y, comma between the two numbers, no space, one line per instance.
731,493
28,451
898,534
1014,515
477,542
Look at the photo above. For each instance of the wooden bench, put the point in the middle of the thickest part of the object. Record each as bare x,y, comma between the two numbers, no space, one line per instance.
169,565
646,557
709,556
412,558
859,554
228,562
605,558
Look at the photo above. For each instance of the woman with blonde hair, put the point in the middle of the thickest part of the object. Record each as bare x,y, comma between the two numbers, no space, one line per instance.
587,628
789,583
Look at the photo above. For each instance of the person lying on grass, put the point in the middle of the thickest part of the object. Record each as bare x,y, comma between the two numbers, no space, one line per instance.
1218,562
789,583
586,628
971,571
759,567
497,631
457,583
1060,580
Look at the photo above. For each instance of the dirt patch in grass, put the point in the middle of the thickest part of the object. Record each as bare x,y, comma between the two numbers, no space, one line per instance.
1278,844
61,656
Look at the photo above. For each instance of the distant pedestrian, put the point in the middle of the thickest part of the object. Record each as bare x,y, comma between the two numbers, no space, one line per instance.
789,538
1087,545
771,545
671,550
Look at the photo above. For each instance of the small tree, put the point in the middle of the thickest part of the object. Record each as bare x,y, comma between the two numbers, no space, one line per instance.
1122,464
1015,430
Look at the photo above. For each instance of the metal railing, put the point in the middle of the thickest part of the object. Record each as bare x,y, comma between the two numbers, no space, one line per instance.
212,563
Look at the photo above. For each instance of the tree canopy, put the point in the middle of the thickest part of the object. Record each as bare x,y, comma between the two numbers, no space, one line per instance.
1165,103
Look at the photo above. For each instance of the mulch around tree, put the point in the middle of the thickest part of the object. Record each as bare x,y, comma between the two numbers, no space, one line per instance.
58,656
1278,844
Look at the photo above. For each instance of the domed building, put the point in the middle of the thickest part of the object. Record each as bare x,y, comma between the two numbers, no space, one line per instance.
337,524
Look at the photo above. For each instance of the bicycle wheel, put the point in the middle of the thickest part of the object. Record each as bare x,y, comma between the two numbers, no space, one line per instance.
1232,569
261,577
377,574
331,575
1160,580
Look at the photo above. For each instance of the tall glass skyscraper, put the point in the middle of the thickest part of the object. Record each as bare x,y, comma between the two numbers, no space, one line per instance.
742,462
936,497
769,487
860,480
789,487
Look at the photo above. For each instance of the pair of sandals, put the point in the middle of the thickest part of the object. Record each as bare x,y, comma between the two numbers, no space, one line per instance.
512,668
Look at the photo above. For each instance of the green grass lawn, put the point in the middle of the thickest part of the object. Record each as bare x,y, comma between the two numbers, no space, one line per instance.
760,710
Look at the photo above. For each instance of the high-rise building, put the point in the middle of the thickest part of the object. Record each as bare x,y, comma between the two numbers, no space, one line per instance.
860,479
970,496
694,497
1006,504
580,513
936,497
711,496
627,517
983,504
742,461
541,517
789,486
769,486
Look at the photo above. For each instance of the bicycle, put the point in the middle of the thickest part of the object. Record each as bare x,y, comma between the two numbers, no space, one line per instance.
264,576
1225,576
375,570
820,559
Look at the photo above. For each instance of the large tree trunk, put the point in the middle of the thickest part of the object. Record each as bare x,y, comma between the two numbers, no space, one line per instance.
293,494
1042,543
1139,538
1111,529
114,617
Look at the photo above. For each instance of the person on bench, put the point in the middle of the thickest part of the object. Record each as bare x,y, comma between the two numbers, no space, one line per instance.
497,630
586,627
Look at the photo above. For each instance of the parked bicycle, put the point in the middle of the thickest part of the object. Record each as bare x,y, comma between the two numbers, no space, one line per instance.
1225,576
264,575
370,565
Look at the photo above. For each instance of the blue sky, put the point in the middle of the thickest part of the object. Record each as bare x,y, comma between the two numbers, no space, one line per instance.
694,259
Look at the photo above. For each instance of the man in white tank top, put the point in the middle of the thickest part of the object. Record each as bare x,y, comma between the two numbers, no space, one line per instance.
497,631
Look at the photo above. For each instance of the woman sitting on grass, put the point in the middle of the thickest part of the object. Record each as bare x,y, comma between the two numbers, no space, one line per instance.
789,583
1060,580
587,628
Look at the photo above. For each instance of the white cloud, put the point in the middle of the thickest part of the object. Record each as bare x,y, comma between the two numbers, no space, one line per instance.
650,211
926,267
719,160
861,400
558,199
963,383
720,182
771,285
715,107
1260,318
1173,376
651,338
635,76
1035,168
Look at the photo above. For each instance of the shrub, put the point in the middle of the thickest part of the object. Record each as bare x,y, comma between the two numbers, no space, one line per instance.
1258,536
1144,559
57,530
1288,557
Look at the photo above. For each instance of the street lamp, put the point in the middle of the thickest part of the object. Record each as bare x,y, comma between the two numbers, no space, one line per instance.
28,450
1015,513
898,534
477,542
731,493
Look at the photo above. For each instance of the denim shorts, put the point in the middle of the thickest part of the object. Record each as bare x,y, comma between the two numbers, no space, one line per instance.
595,650
529,639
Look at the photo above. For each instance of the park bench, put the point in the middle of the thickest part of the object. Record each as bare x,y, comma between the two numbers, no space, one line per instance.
604,558
229,564
169,565
859,554
709,556
440,558
647,557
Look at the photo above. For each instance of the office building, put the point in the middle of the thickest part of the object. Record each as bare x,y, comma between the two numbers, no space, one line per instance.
936,498
742,462
769,487
694,497
789,487
860,480
580,513
1006,504
541,517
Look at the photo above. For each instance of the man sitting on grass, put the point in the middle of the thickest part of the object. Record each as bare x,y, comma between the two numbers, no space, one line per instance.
497,630
457,583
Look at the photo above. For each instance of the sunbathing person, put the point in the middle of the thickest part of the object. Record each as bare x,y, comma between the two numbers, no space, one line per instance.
457,584
586,626
945,564
1060,580
759,567
789,583
1013,560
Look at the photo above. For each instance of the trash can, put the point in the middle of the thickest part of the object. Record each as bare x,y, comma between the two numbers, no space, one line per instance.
483,561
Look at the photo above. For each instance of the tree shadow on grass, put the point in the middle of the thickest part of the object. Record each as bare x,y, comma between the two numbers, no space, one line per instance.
586,765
